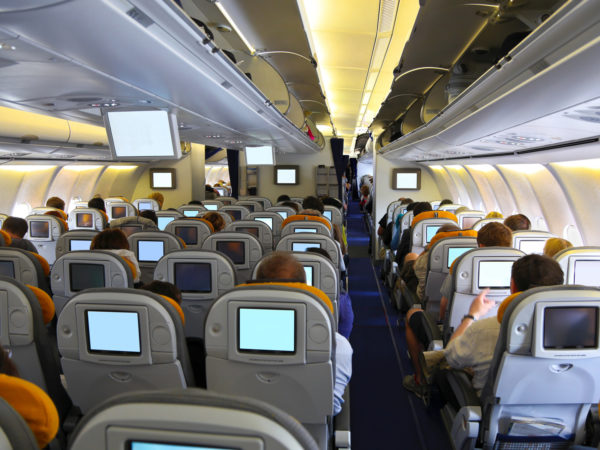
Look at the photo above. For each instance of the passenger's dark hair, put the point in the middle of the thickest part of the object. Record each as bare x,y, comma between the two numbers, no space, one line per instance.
446,201
410,206
110,239
98,203
312,202
536,270
215,219
164,288
283,198
407,201
15,225
421,207
320,251
494,234
447,227
281,266
149,214
330,201
518,222
56,202
7,367
195,202
292,205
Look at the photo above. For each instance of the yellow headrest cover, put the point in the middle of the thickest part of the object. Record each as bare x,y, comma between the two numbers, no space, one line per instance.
459,233
33,404
46,303
298,217
433,215
7,238
131,265
43,263
176,306
305,287
504,305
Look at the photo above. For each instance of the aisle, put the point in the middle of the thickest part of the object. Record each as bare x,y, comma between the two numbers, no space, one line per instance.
384,415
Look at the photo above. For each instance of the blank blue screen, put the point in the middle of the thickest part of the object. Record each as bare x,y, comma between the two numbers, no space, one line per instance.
283,214
455,252
190,212
305,230
211,207
327,215
266,330
163,222
430,232
113,331
160,446
303,246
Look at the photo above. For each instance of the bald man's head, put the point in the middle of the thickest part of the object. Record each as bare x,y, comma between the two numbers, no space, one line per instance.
281,266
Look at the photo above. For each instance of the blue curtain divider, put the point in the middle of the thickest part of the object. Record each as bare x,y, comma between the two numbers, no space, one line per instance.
233,161
337,151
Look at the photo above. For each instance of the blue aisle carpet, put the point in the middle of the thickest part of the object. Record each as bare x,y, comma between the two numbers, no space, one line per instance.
383,414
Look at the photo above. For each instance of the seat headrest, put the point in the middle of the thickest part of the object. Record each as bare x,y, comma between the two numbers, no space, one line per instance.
131,266
504,305
210,225
303,286
447,234
433,215
43,263
297,217
176,306
7,238
33,404
46,303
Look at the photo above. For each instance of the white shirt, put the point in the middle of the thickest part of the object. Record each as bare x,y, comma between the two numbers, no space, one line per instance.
130,256
343,370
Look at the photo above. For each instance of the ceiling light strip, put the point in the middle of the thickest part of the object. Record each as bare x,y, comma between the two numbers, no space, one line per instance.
235,27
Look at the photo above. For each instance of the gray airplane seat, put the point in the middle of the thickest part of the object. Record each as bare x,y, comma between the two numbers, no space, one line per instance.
304,223
15,434
243,249
117,208
275,342
405,221
226,200
530,241
272,219
440,258
193,231
390,209
581,265
236,212
449,208
225,215
189,419
133,224
258,229
473,271
73,241
264,201
190,210
298,200
223,192
424,229
483,222
143,204
43,232
114,341
149,247
76,271
26,267
299,242
283,211
87,219
166,216
334,215
466,219
212,205
251,205
541,380
201,276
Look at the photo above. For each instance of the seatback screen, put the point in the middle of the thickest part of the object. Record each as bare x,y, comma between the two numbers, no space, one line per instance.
7,269
267,220
305,230
39,229
84,220
138,445
303,246
164,221
430,231
532,246
236,250
586,272
283,214
468,222
150,251
210,207
190,212
118,212
113,332
130,229
455,252
236,214
76,245
570,327
188,234
249,206
85,276
262,330
252,230
142,206
494,274
193,277
327,215
309,275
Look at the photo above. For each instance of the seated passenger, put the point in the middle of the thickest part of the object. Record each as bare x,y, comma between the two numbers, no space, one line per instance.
58,215
195,202
160,199
292,205
396,229
312,202
216,220
330,201
115,241
210,193
446,201
17,229
283,198
364,196
149,214
472,344
98,203
493,215
518,222
555,245
283,266
405,241
56,202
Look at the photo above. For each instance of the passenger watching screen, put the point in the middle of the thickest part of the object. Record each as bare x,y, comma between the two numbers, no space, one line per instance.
430,231
283,214
113,332
210,207
130,229
494,274
468,222
76,245
570,327
193,277
118,212
236,250
150,251
303,246
252,230
39,229
455,252
529,247
7,269
190,212
139,445
327,215
188,234
84,220
305,230
142,206
236,214
266,330
267,220
309,275
587,272
164,221
84,276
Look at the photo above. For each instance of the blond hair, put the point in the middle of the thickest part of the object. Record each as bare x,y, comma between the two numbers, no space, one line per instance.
555,245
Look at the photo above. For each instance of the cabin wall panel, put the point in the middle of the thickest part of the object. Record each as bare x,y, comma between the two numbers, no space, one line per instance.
364,169
24,187
494,191
444,183
118,181
71,183
464,186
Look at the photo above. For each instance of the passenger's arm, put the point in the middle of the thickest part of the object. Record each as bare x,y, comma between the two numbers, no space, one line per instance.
480,306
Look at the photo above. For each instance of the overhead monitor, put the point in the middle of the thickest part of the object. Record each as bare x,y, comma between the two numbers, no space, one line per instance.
84,220
188,234
252,230
163,221
143,206
303,246
586,272
235,213
39,229
305,230
287,175
76,245
260,156
236,250
190,212
309,275
210,207
113,332
327,215
193,277
283,214
494,274
142,134
430,231
7,269
163,179
455,252
118,211
264,330
468,222
267,220
85,276
130,229
530,246
150,251
406,179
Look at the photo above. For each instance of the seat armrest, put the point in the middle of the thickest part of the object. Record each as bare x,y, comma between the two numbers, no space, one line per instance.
462,389
341,423
465,427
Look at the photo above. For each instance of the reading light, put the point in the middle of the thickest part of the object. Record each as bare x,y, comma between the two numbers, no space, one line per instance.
122,167
235,27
